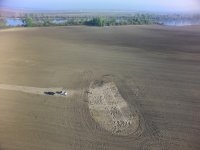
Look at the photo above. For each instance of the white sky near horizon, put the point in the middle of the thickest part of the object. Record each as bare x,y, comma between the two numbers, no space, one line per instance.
143,5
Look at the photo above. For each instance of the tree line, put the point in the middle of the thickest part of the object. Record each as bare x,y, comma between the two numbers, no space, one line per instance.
37,19
29,21
2,22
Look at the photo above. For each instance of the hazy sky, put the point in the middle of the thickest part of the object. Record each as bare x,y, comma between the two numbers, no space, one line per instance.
144,5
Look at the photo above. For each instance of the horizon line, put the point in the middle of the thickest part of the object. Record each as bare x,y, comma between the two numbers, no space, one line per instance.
95,10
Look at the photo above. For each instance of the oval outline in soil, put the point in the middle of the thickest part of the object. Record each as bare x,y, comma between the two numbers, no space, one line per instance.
110,110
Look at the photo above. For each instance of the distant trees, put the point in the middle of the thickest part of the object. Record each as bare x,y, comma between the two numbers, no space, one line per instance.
99,21
111,21
46,22
30,20
27,21
140,19
46,19
2,22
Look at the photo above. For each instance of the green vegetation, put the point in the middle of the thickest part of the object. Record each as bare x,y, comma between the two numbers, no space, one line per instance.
42,20
27,21
37,20
136,20
2,22
46,22
99,21
51,19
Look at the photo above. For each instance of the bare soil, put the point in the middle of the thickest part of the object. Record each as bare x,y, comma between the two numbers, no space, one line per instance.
110,110
149,77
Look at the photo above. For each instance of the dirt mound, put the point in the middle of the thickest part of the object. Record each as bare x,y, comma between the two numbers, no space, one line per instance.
110,110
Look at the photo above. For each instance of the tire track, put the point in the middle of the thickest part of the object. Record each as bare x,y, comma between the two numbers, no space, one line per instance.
36,90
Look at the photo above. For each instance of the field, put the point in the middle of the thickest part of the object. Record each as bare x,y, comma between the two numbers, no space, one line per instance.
129,88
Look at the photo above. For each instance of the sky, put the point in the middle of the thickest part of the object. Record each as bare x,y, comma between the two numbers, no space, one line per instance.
133,5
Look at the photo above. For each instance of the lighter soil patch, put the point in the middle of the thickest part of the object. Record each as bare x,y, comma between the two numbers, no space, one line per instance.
36,90
110,110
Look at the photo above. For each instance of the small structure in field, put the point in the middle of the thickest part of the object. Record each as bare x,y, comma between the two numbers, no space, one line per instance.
56,93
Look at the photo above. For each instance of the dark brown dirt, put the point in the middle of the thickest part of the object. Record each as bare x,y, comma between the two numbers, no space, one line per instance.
155,68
